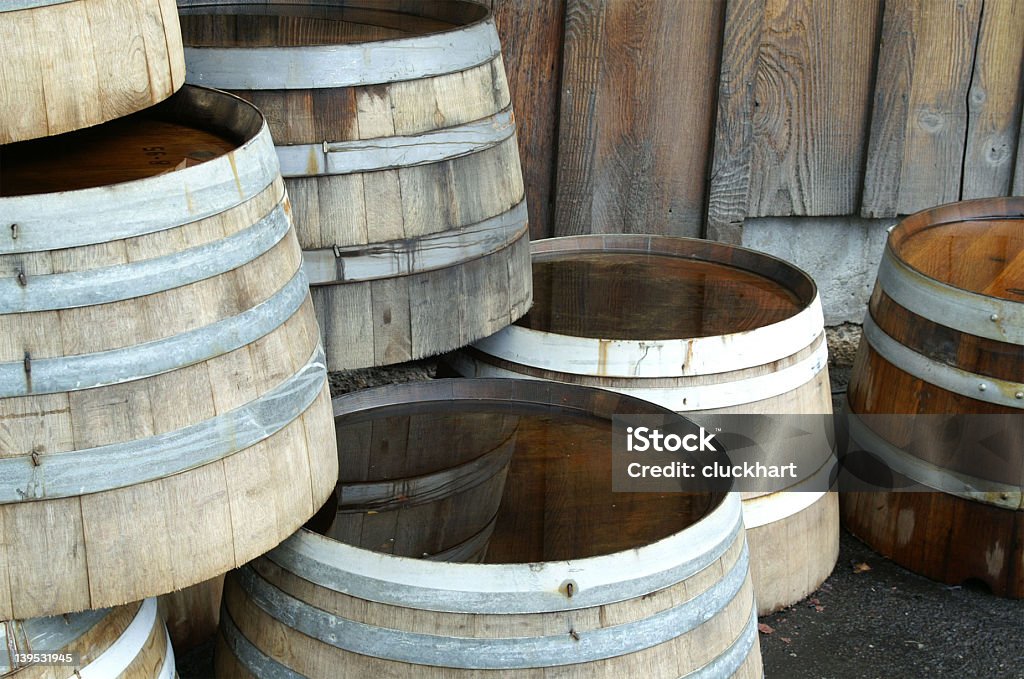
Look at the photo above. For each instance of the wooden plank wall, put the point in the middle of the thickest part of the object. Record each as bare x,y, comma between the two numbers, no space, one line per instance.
687,117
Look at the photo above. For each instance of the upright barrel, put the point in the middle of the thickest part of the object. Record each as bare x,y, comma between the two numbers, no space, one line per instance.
127,642
164,410
394,128
944,343
70,64
577,580
700,328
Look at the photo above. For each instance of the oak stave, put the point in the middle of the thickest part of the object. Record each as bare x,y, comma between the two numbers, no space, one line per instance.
399,153
76,63
774,366
944,335
168,418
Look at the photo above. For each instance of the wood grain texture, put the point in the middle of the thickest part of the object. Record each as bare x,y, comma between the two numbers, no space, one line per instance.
638,85
918,130
192,614
531,41
1018,172
995,97
729,182
80,63
811,104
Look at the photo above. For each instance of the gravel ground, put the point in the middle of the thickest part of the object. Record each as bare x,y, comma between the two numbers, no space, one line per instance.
870,620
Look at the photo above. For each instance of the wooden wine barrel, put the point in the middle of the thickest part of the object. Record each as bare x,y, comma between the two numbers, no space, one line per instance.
578,580
164,411
397,142
70,64
944,335
697,327
404,492
127,642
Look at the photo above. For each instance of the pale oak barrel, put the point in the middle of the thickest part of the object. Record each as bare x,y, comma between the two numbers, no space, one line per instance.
70,64
127,642
697,327
164,410
577,580
944,335
394,127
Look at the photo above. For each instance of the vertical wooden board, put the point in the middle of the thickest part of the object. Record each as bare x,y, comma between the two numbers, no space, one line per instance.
392,334
35,424
35,334
66,28
638,89
232,380
919,121
121,56
172,38
343,312
112,414
6,613
304,198
385,202
531,41
336,116
321,447
199,531
811,107
429,199
46,555
487,311
127,546
729,182
22,101
435,299
253,503
994,105
520,278
1018,172
343,210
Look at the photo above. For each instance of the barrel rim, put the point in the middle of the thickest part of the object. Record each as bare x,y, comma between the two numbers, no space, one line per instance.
513,588
67,219
342,64
683,357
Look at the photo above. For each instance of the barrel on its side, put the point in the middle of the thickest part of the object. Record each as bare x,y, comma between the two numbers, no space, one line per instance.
164,410
941,360
127,642
396,136
71,64
700,328
623,606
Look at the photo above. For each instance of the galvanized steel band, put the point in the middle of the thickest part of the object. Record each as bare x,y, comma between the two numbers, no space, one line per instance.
382,153
680,398
657,358
417,490
51,633
54,221
126,281
979,387
981,315
136,362
252,659
129,463
512,588
113,661
495,652
927,474
15,5
416,255
343,65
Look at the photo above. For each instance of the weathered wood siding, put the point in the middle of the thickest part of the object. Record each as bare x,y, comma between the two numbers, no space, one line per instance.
687,117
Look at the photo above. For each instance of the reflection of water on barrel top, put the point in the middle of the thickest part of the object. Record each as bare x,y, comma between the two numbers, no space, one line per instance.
435,482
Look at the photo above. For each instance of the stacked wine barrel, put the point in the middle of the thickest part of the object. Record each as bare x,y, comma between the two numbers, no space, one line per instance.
164,410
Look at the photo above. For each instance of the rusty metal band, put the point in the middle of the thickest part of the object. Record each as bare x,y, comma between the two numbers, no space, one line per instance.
981,315
33,377
979,387
382,153
502,653
118,465
416,255
126,281
342,65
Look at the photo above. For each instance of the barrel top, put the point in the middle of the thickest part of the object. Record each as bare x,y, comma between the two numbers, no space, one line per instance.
567,527
975,245
197,154
658,306
51,634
